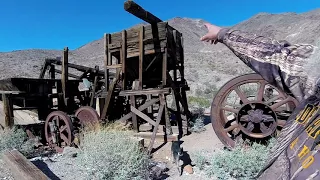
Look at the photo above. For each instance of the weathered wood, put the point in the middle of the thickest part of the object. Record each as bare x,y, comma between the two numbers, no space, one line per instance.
21,167
109,95
134,116
143,116
141,108
141,55
95,83
155,130
139,12
52,72
106,53
69,74
124,57
64,75
164,67
114,66
8,111
145,92
159,136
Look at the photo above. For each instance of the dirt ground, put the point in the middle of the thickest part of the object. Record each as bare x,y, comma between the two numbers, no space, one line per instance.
191,144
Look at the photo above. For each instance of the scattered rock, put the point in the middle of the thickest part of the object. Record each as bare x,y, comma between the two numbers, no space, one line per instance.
188,169
70,151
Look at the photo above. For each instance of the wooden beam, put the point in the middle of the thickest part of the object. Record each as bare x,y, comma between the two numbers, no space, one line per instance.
141,108
145,92
124,58
164,67
21,167
109,95
115,66
64,75
139,12
8,110
155,129
143,116
141,55
134,116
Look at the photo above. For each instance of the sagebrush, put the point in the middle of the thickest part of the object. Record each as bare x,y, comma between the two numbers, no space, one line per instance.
15,138
108,153
243,162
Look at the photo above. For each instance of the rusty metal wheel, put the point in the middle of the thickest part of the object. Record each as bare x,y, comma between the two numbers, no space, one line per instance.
248,107
58,130
87,115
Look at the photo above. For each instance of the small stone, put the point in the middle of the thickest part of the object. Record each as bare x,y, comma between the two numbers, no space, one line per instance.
188,169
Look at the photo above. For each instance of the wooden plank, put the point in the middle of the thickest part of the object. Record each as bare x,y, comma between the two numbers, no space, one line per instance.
133,34
109,95
143,116
124,58
155,130
106,52
141,55
159,136
134,116
95,83
64,75
8,111
21,167
115,66
52,72
164,67
145,92
139,12
141,108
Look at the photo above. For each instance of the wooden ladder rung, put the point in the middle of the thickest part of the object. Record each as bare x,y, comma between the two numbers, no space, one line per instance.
114,66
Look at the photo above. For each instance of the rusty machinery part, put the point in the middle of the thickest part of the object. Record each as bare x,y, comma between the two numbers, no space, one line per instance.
58,130
235,114
87,115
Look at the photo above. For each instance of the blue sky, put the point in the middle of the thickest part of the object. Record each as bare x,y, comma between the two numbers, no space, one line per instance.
54,24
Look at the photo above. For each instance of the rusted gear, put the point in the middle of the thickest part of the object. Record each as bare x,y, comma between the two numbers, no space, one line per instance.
255,117
58,130
87,115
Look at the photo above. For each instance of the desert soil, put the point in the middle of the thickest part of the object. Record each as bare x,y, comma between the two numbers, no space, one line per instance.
64,166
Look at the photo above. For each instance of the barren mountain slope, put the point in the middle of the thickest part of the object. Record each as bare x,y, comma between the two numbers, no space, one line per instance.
204,64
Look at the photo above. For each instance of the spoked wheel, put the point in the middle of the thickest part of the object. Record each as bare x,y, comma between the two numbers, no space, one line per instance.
87,115
248,107
58,130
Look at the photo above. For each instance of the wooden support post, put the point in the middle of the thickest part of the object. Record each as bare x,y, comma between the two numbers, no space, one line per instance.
141,55
106,60
174,53
124,57
139,12
64,75
21,167
155,129
164,67
167,120
52,71
94,85
8,111
134,116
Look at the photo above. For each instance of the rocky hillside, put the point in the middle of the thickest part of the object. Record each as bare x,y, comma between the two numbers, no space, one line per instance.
215,64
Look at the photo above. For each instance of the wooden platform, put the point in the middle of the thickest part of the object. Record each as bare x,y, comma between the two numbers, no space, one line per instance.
21,167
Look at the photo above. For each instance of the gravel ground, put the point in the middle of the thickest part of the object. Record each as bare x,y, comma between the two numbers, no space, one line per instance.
65,167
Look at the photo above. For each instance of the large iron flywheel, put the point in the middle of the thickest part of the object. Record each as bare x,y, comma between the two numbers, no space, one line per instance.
248,107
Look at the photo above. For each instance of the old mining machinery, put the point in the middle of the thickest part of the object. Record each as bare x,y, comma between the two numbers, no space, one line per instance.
143,68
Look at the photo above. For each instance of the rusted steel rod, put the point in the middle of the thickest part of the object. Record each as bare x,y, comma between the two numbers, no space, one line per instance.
139,12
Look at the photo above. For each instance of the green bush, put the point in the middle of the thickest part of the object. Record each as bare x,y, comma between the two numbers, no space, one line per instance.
112,154
242,162
199,101
15,138
198,125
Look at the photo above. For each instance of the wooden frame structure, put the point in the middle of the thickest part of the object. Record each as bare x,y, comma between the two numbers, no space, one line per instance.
148,64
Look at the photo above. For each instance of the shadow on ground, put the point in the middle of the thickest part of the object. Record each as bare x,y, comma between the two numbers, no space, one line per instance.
44,168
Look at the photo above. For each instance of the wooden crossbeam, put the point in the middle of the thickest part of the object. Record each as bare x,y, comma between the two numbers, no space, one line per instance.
21,167
143,116
140,108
